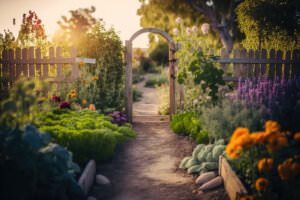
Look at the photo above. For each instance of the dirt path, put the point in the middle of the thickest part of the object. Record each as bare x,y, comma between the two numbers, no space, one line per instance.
147,168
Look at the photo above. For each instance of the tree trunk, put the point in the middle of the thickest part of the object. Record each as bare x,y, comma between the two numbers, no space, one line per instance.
226,38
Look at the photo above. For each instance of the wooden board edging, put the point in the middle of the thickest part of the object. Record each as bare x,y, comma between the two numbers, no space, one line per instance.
232,184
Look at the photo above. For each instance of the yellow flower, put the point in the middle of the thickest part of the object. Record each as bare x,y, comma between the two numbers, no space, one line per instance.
248,197
265,164
43,99
87,85
238,132
297,136
73,95
84,102
69,95
83,81
72,91
261,184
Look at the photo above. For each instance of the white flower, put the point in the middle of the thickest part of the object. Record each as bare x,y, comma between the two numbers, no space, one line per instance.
200,42
178,20
205,28
227,94
208,97
209,3
176,31
202,82
208,89
188,30
195,29
200,97
195,101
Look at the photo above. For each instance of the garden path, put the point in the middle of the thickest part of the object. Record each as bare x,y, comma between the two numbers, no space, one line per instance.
147,168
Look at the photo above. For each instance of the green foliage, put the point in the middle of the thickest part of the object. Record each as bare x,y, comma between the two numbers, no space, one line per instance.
269,24
222,119
33,168
136,78
87,134
160,54
146,64
204,158
157,80
22,105
7,41
137,94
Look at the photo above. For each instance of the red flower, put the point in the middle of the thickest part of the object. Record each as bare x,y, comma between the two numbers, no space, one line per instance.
56,98
65,105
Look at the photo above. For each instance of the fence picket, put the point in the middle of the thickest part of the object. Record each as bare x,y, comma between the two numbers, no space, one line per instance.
257,66
243,67
236,54
31,62
18,65
38,56
74,66
250,66
287,66
12,69
4,62
51,55
224,66
24,60
279,65
295,66
272,66
263,68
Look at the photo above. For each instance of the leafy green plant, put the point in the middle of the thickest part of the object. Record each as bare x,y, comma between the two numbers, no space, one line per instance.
137,94
87,134
158,79
136,78
33,168
146,64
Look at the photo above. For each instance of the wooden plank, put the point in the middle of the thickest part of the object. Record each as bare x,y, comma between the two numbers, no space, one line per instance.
31,65
287,67
296,67
250,66
24,62
263,68
38,56
51,57
128,79
172,77
272,66
5,63
224,55
12,69
243,66
59,68
232,184
45,70
236,54
278,66
74,65
255,61
257,66
18,65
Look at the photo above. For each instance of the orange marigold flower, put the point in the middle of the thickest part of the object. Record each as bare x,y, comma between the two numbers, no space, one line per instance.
248,197
297,136
83,81
261,184
285,170
271,127
84,101
257,137
95,78
233,150
73,95
81,63
238,132
43,99
244,140
276,142
72,91
265,164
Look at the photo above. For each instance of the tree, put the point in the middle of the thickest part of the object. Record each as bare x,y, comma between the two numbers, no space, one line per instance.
269,23
220,14
80,22
161,54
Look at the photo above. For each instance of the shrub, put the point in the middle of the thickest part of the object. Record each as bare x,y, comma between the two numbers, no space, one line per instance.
158,80
160,54
146,64
87,134
33,168
136,78
137,94
222,119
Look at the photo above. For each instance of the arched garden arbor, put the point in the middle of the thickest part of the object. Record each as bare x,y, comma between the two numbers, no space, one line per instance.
128,69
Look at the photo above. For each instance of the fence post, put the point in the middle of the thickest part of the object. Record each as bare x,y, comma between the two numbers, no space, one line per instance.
74,66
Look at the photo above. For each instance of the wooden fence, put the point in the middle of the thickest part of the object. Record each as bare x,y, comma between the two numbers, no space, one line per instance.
28,63
254,63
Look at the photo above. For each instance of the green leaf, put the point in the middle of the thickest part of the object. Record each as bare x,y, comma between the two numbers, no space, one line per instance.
9,106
